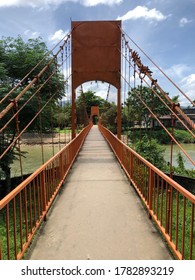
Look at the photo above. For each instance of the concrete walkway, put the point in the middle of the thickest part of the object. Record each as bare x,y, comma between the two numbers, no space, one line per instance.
97,214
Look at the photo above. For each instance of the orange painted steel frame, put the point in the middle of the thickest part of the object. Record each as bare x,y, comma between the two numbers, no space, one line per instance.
94,112
96,55
167,202
23,210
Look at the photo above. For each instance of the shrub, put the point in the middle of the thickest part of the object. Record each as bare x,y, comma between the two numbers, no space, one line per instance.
151,151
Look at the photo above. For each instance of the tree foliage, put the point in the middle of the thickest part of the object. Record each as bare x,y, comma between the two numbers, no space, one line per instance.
62,117
180,169
137,112
108,118
17,59
151,151
84,103
89,99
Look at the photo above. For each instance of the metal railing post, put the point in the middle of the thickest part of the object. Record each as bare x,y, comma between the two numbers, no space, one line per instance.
131,165
43,192
61,167
150,190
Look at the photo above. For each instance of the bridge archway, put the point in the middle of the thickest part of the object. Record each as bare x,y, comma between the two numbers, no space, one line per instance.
95,114
96,55
101,90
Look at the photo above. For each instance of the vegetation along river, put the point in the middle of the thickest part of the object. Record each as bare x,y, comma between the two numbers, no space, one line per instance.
33,158
189,148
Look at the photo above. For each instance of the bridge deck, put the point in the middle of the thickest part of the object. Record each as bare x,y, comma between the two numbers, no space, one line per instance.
97,214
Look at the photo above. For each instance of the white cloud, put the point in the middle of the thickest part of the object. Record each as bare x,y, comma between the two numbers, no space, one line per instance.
188,86
177,70
47,3
105,2
179,74
31,3
32,34
183,21
101,90
143,12
57,36
18,3
189,80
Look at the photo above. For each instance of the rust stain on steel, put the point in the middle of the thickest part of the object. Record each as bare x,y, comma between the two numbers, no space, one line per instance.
96,47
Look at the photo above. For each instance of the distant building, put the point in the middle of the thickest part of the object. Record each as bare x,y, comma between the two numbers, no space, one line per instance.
166,120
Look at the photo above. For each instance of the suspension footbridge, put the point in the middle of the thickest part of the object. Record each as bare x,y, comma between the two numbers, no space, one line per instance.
96,198
97,215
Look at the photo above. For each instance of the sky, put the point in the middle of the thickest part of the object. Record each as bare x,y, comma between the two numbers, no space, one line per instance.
164,29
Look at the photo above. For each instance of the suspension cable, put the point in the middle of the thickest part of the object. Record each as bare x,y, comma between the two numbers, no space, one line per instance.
37,91
44,83
1,130
31,121
144,69
51,121
155,84
19,139
18,97
123,32
153,114
140,111
172,111
108,92
40,124
85,116
27,75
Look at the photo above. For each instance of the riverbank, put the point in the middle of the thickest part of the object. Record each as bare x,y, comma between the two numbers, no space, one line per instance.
45,138
189,148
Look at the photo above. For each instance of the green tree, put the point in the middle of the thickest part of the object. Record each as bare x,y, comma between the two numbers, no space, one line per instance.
84,103
62,118
151,151
136,111
180,169
180,162
108,117
89,99
17,59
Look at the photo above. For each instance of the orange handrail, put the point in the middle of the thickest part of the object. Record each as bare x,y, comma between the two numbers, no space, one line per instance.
23,210
170,205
